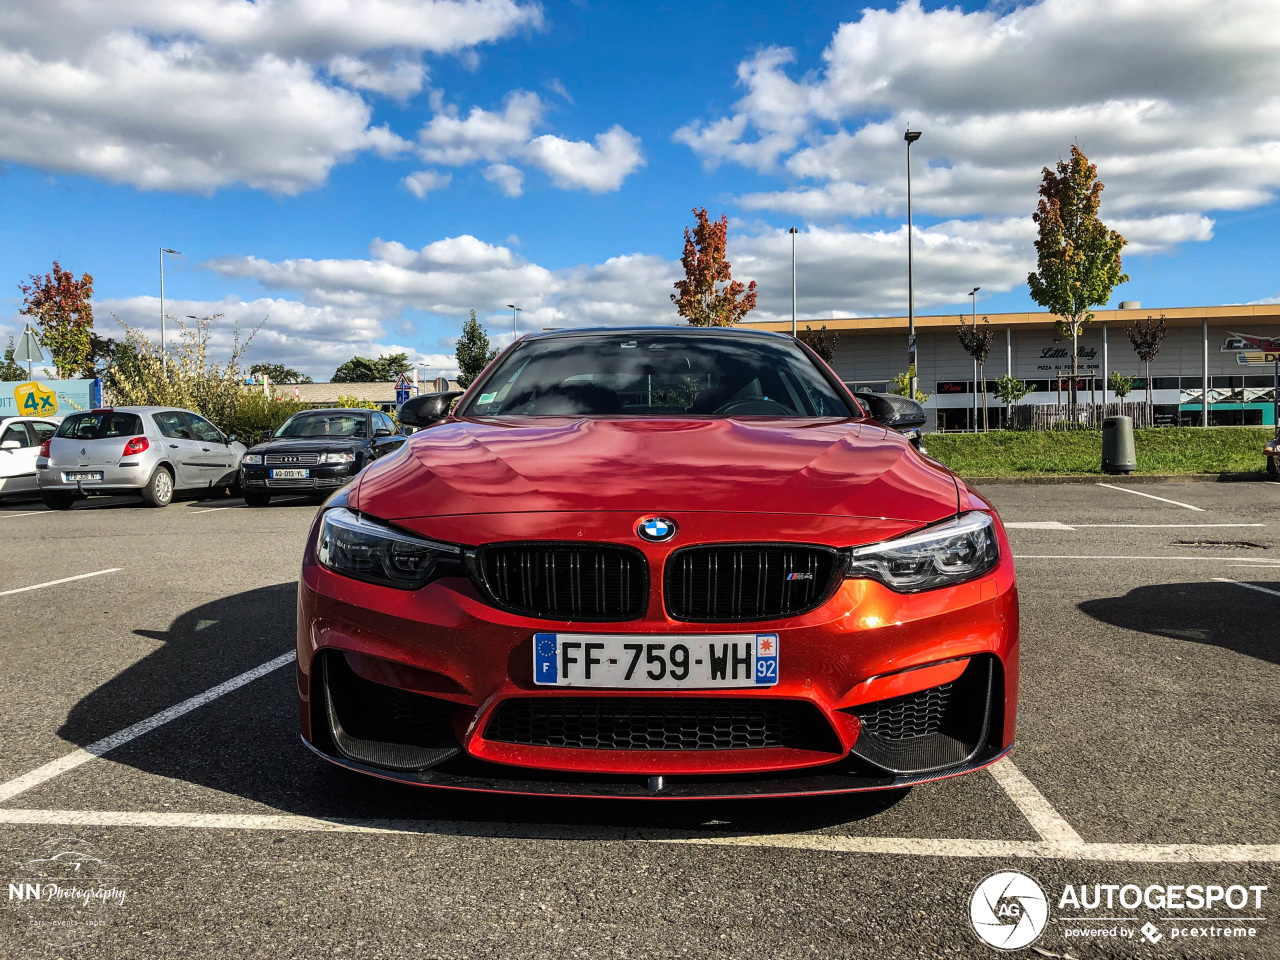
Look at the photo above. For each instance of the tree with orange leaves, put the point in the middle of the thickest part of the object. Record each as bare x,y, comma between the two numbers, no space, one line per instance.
699,299
62,310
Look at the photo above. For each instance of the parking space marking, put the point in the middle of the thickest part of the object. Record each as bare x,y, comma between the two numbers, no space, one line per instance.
1039,812
818,843
1036,525
1248,561
241,506
1247,586
1152,496
54,583
1165,526
10,516
82,756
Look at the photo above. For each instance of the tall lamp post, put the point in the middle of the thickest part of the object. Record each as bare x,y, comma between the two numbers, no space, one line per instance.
515,319
164,356
973,295
793,231
911,136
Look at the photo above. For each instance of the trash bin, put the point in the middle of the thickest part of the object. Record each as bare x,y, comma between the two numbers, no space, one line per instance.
1117,445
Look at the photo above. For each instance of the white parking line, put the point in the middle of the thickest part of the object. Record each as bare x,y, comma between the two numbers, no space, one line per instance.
54,583
1088,556
82,756
1036,525
1152,496
1050,824
1247,586
1166,526
10,516
241,506
822,843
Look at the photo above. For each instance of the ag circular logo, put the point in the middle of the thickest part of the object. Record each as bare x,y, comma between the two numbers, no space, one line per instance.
1009,910
656,529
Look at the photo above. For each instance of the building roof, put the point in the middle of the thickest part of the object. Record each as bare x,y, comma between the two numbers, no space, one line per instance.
1174,316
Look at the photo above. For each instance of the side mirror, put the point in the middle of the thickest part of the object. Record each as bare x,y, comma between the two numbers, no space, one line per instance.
895,412
427,409
10,445
231,439
382,432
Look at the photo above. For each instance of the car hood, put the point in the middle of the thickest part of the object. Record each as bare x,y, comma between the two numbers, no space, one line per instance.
307,445
816,467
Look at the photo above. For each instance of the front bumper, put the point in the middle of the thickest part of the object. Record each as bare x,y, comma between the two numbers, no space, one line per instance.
322,478
862,659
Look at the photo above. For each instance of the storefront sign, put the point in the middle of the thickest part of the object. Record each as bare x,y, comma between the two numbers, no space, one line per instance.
48,398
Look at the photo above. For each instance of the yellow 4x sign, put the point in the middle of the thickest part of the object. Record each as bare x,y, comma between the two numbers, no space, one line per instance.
33,400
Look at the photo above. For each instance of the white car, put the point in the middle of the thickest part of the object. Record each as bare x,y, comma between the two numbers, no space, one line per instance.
20,440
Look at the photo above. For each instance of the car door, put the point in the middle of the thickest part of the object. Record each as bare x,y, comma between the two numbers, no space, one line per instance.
214,455
18,464
382,445
183,451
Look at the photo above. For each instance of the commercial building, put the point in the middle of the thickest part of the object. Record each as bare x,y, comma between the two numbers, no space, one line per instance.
1200,344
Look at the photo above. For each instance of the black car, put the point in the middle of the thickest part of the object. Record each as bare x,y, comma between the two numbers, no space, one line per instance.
316,451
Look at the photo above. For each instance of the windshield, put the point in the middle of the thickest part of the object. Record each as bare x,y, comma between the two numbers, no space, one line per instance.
323,425
101,425
657,374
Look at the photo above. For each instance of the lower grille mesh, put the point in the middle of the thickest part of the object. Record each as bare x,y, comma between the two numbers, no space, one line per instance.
915,715
655,723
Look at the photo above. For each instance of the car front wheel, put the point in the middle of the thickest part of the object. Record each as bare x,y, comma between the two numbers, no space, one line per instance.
1273,466
159,489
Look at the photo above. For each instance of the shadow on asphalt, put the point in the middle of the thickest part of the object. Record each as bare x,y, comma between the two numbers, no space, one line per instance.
246,743
1219,614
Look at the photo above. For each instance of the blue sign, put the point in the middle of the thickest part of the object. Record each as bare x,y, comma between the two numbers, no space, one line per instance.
544,658
48,398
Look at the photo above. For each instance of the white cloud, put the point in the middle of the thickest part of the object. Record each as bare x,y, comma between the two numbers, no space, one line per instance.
422,182
482,134
498,137
508,179
195,95
1177,103
578,165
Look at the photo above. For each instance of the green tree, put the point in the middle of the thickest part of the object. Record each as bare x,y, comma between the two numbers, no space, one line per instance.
1120,384
1011,389
363,370
1146,337
62,308
823,342
700,300
976,341
1077,257
278,373
902,385
10,369
473,351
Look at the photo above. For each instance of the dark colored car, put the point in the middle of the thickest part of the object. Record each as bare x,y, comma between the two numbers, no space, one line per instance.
658,563
316,451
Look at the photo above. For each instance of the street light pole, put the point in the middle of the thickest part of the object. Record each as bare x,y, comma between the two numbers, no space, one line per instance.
164,356
911,136
793,231
515,317
973,295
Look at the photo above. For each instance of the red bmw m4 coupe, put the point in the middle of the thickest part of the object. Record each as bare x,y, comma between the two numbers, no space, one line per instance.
658,563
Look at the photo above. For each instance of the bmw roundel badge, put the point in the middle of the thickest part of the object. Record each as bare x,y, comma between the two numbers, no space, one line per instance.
656,529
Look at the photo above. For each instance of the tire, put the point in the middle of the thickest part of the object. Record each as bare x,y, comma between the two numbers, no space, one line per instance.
1273,467
58,501
233,490
256,498
159,489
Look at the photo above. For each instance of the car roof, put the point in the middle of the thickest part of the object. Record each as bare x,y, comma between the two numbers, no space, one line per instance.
337,410
6,417
680,330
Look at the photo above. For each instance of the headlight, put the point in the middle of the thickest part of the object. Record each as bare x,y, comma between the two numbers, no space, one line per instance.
252,459
337,457
940,556
358,547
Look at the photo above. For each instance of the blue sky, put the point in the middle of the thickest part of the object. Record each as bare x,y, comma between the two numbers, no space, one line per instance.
364,173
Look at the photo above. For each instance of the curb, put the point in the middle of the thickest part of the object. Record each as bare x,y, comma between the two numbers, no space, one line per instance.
1258,477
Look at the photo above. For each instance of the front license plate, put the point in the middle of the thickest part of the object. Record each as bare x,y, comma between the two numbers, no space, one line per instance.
290,474
696,661
74,475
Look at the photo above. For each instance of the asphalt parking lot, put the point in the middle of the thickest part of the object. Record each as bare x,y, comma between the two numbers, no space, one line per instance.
1148,751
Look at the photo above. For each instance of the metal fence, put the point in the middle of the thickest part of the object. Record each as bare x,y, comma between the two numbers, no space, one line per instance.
1084,416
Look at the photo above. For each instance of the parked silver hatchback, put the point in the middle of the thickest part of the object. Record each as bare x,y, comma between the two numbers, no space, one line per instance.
150,451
